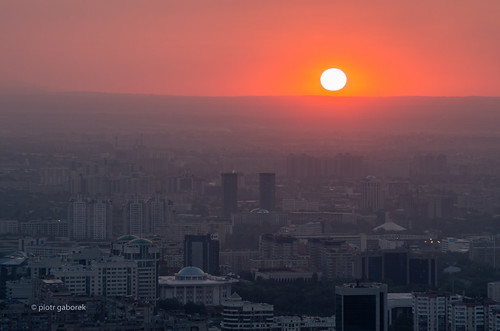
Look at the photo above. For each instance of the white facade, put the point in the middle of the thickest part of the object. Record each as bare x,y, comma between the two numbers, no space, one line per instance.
110,277
146,255
431,311
75,278
191,284
472,314
245,315
119,276
494,318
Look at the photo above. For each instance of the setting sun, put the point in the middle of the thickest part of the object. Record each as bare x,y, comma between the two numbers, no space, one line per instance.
333,79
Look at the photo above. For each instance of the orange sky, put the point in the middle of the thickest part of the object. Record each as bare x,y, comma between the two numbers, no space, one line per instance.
260,47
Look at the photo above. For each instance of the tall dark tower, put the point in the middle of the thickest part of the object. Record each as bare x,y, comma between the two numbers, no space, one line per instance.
267,190
202,251
361,307
229,193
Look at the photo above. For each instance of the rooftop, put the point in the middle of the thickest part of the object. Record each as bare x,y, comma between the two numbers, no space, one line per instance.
191,271
127,237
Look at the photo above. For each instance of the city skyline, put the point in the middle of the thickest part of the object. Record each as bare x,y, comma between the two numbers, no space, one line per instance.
178,165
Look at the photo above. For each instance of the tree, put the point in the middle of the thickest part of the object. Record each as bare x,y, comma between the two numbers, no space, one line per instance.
169,304
194,308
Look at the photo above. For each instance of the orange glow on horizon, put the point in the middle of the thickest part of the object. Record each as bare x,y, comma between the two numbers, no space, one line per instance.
237,48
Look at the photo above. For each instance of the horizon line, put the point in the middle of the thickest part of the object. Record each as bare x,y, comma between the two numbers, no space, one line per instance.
46,91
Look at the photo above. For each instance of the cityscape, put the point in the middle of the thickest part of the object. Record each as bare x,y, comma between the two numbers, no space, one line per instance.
273,166
141,230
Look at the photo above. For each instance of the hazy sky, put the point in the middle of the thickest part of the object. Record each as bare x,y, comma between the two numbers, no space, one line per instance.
259,47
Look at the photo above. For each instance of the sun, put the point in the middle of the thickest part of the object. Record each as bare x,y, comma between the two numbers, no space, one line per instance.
333,79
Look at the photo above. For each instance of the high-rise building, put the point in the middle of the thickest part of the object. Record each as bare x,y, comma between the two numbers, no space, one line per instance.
429,165
267,191
229,193
361,307
202,251
159,210
471,314
100,219
347,166
134,216
146,254
77,215
371,194
90,218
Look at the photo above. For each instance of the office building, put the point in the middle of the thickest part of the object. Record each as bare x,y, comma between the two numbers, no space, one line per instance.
361,307
202,251
229,193
267,191
399,267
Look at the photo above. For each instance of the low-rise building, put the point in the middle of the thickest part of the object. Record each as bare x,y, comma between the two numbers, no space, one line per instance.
191,284
245,315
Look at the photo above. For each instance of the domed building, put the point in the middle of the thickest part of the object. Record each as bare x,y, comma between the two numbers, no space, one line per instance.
191,284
